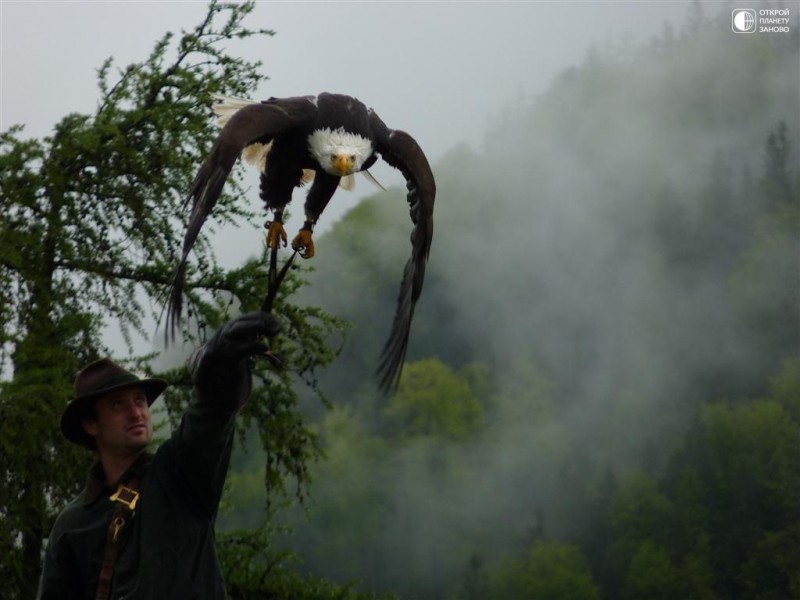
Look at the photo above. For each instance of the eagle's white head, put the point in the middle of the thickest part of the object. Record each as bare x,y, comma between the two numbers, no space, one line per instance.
339,152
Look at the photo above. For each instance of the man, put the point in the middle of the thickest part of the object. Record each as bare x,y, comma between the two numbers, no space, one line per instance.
143,527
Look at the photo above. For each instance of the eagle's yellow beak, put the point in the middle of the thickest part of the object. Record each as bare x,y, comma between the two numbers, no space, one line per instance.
344,164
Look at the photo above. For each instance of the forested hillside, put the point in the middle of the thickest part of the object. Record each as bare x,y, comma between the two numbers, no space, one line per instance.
602,394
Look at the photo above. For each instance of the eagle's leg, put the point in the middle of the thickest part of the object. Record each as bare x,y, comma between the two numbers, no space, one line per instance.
317,199
275,188
275,231
303,241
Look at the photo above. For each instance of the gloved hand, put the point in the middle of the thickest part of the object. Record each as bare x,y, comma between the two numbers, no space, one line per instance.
241,337
222,364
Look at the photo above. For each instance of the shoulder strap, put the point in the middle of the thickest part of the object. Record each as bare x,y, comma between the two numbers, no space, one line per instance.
126,498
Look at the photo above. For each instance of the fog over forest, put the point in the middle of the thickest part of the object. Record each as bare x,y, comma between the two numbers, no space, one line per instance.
598,274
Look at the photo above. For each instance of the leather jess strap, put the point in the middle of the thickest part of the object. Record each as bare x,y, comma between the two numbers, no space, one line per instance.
125,498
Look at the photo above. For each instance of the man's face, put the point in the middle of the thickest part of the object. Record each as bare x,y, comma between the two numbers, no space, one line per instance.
122,425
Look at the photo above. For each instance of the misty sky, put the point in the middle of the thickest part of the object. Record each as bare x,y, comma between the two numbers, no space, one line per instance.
439,70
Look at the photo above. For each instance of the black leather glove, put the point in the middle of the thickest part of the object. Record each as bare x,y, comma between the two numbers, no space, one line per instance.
241,338
222,364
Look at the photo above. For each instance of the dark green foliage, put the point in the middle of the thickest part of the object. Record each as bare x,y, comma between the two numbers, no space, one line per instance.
254,570
435,401
771,568
548,571
744,455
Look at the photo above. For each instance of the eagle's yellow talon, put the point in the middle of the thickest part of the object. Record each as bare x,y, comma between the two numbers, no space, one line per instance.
276,234
303,243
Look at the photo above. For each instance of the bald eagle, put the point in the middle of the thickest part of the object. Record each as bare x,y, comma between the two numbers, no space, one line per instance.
327,138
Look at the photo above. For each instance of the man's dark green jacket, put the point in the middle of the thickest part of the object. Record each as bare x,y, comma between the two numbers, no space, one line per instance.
168,549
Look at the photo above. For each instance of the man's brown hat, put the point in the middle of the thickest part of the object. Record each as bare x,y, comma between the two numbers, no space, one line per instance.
96,379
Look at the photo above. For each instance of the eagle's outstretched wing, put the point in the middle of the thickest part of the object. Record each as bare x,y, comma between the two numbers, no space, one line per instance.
259,122
402,152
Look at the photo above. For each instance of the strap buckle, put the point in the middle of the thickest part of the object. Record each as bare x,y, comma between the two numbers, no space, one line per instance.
126,495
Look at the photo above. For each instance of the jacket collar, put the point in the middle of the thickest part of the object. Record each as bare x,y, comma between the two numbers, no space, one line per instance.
96,482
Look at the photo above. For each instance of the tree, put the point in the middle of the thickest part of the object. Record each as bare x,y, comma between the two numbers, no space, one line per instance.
559,571
651,574
351,501
638,513
641,512
434,400
550,570
92,223
255,570
764,287
779,183
771,569
734,490
747,457
785,387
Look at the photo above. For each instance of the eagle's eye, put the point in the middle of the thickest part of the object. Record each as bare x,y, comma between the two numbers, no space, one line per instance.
353,157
